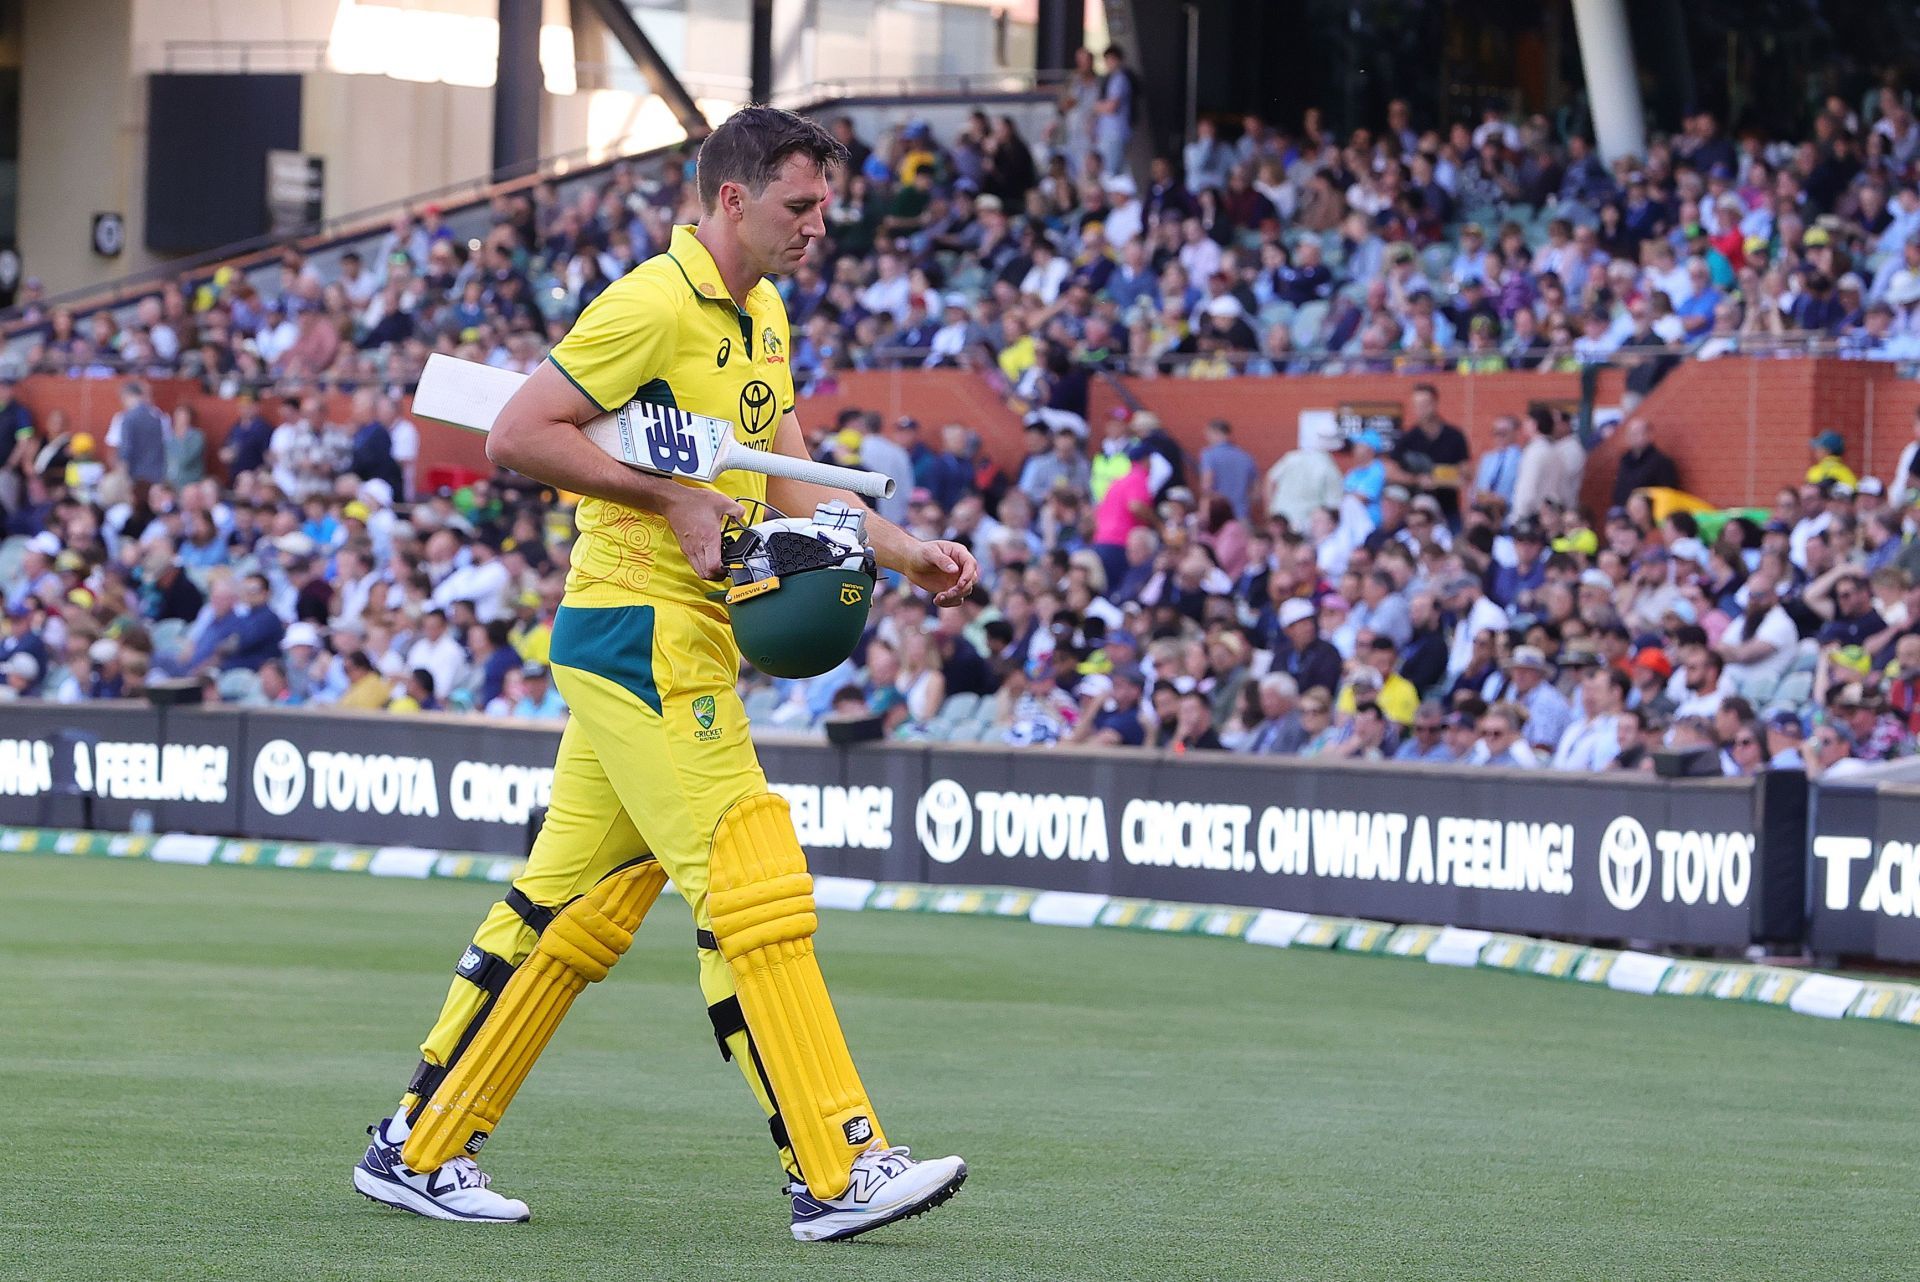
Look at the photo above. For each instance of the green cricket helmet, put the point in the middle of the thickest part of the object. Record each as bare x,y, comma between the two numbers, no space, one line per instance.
800,589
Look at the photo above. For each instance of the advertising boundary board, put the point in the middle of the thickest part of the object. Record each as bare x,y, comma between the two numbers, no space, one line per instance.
1686,863
1863,872
1803,992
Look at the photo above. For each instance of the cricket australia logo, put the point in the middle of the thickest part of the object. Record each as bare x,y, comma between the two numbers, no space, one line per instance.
703,709
772,348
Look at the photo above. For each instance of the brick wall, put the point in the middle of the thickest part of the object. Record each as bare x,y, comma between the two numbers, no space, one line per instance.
1737,427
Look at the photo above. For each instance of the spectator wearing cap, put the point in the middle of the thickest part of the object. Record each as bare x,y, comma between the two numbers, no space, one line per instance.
1842,597
1515,580
1592,742
303,665
1043,714
22,676
1828,465
1117,721
1829,752
1374,669
1862,708
36,576
1306,479
1127,506
1651,669
540,701
1366,480
21,635
1785,735
1651,593
1300,652
1528,685
1761,641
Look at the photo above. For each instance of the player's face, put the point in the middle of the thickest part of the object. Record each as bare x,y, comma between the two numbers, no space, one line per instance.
787,217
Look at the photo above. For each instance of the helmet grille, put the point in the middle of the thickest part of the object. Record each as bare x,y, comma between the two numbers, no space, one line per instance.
791,553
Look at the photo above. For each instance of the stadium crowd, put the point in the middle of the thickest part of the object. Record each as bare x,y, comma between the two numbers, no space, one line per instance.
1363,596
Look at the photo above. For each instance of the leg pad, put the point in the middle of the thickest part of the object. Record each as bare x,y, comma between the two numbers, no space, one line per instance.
578,947
760,902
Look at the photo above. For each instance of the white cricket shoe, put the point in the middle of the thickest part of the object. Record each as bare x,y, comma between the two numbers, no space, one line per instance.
457,1191
887,1185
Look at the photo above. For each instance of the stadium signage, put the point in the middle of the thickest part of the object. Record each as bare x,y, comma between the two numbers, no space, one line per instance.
1864,874
117,770
831,817
1708,863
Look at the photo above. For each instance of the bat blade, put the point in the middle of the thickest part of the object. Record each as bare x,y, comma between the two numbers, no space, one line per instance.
654,438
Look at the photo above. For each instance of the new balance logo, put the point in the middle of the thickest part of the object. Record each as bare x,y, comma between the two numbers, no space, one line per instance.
474,1141
864,1183
672,449
859,1130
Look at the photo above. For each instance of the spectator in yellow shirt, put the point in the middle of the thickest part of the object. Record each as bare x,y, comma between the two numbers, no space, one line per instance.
366,688
1827,465
1394,694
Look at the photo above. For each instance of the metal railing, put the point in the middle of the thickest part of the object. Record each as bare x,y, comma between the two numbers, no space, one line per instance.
245,56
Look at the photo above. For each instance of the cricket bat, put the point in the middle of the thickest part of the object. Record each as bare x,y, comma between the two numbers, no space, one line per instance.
652,438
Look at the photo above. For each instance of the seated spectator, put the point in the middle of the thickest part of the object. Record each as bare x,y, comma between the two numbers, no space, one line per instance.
1500,742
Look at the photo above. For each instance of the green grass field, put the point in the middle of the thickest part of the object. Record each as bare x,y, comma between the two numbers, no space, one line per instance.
188,1055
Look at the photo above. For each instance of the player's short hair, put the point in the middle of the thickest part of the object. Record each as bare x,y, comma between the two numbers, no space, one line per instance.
753,143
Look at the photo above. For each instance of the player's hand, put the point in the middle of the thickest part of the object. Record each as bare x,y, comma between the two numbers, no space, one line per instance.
696,516
946,569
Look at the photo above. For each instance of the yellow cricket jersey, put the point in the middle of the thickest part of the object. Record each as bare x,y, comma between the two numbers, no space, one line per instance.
669,333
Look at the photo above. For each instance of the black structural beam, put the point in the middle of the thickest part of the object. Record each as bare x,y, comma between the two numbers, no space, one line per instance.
517,86
1061,30
660,77
760,57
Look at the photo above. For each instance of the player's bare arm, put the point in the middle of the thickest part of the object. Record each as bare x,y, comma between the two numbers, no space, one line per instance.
941,567
538,435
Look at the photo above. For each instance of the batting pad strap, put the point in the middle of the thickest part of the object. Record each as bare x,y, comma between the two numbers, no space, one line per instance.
760,901
578,947
704,939
536,916
728,1019
486,971
426,1079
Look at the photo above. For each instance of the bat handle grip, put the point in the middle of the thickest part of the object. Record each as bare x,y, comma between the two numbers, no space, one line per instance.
873,485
